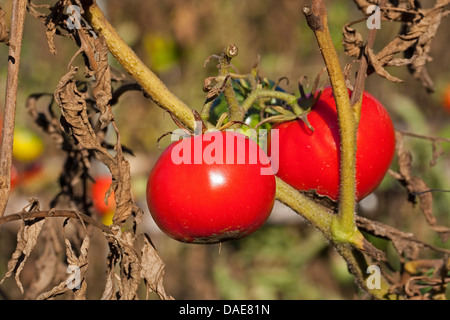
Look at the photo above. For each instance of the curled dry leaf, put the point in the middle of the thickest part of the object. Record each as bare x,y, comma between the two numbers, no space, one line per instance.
27,237
4,33
419,27
76,270
102,88
46,267
353,42
378,67
152,269
406,244
133,265
416,187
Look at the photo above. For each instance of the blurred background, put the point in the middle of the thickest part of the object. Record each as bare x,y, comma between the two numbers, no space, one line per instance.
286,259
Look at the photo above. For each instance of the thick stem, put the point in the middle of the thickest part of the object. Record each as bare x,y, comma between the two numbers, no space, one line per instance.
322,218
315,213
15,46
344,225
156,89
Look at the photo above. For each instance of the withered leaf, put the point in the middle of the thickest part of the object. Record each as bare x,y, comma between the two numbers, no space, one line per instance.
77,268
128,266
46,266
153,269
102,89
27,238
352,41
416,187
379,69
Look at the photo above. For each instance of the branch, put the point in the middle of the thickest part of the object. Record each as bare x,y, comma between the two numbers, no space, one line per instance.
17,23
344,225
155,88
356,99
55,214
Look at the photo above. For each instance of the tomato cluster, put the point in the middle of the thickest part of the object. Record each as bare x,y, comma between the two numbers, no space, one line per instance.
196,195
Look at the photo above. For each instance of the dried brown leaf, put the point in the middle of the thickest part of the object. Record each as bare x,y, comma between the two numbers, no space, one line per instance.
4,33
416,187
405,243
102,89
152,269
27,238
128,266
46,266
352,41
378,66
77,268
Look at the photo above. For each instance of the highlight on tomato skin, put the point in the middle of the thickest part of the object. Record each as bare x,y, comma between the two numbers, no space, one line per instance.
210,202
309,160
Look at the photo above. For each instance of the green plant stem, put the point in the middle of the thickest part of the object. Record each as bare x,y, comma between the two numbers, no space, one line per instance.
156,89
265,93
344,225
315,213
322,218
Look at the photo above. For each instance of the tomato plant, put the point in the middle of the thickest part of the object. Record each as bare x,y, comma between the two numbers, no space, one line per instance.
210,201
309,160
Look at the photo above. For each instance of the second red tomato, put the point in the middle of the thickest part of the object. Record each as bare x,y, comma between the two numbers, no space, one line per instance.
309,160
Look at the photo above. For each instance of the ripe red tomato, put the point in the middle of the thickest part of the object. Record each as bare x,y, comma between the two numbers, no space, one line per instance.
199,200
310,160
99,189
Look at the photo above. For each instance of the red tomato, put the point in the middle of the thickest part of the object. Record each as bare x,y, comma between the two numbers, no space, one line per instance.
99,189
14,176
310,160
446,98
199,200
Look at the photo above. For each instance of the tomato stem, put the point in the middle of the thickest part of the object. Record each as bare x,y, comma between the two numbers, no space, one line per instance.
344,226
156,89
236,111
322,218
266,93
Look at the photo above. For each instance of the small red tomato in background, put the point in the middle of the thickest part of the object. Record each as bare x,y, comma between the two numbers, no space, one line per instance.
210,202
446,98
309,160
14,176
99,189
